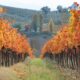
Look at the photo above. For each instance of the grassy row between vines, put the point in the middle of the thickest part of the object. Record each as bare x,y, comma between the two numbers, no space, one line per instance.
36,69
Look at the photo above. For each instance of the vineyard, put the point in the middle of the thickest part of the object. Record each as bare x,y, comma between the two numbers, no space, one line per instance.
14,47
64,47
21,57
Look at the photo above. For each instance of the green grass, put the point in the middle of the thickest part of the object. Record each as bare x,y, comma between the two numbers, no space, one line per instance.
37,62
35,69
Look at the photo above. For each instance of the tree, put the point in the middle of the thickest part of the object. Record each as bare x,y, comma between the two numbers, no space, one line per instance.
45,10
51,25
18,26
37,22
40,22
64,15
34,22
59,8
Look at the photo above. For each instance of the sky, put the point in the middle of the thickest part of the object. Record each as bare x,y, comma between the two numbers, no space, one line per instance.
37,4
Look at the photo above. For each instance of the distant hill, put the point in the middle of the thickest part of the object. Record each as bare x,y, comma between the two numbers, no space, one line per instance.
18,14
24,16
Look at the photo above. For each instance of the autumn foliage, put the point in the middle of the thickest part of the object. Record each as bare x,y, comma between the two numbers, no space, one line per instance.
65,46
10,38
14,47
12,43
68,36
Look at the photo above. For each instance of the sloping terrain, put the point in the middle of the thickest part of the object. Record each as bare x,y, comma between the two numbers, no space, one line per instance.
18,14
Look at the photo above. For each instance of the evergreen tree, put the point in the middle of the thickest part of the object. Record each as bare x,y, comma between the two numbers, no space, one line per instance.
40,22
34,22
37,22
51,25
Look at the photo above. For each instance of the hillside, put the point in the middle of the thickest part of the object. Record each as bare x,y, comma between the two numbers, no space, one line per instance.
18,14
24,16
